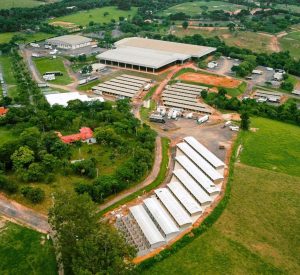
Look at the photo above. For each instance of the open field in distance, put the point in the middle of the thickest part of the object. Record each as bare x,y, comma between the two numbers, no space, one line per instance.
291,43
96,15
194,8
244,39
39,36
7,4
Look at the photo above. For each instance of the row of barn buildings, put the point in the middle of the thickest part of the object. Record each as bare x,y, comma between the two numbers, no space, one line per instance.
195,183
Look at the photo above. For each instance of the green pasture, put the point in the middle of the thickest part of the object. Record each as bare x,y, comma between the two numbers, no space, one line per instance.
194,8
24,251
96,15
29,37
244,39
46,64
291,43
257,233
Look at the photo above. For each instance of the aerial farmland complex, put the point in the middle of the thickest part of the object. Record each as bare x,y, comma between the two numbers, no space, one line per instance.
149,137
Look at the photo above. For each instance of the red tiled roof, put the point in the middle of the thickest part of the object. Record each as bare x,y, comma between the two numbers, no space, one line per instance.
3,111
85,133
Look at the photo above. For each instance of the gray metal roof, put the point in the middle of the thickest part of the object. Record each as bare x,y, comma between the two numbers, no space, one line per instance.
186,107
69,39
192,186
175,209
141,57
134,84
198,175
161,216
147,226
169,92
167,46
137,77
204,152
179,89
197,159
185,198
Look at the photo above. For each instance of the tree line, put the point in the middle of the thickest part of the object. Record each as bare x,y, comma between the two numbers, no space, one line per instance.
287,112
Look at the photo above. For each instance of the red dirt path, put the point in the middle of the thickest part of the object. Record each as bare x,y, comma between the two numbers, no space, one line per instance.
222,81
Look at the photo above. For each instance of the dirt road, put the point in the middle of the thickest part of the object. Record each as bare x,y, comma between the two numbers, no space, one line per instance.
23,215
151,177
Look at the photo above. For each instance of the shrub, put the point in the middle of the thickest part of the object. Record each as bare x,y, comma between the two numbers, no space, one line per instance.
33,194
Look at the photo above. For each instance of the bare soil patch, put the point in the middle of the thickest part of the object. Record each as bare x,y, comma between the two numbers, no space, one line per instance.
219,81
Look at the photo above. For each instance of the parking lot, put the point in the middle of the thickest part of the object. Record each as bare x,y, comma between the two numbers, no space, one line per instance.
224,66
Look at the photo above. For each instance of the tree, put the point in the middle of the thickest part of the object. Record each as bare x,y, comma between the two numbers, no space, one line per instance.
87,246
231,27
185,24
22,157
245,121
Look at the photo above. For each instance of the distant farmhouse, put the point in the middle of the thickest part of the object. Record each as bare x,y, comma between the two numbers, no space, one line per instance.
69,42
151,55
85,135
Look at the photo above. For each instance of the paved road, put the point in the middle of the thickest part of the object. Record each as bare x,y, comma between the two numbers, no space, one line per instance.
151,177
23,215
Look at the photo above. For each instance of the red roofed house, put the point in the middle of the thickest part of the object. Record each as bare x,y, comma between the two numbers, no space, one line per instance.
3,111
85,135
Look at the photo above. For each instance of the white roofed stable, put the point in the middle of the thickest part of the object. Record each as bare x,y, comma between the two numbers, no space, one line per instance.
147,226
198,175
70,41
193,187
64,98
197,159
150,54
205,153
187,201
161,216
174,208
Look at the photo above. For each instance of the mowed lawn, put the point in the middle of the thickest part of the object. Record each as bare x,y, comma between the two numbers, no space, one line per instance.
7,4
46,64
5,62
39,36
193,8
24,251
96,15
258,232
243,39
291,43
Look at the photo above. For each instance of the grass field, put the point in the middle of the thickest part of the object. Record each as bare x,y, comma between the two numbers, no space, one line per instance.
9,78
258,231
292,8
24,251
291,43
39,36
96,15
46,64
244,39
194,8
7,4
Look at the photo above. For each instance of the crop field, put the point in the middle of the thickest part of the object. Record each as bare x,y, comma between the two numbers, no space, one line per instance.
194,8
6,37
258,230
244,39
83,18
291,43
46,64
24,251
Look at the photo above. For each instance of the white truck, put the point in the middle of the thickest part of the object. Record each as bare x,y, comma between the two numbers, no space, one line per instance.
34,45
82,81
234,128
35,55
48,47
203,119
